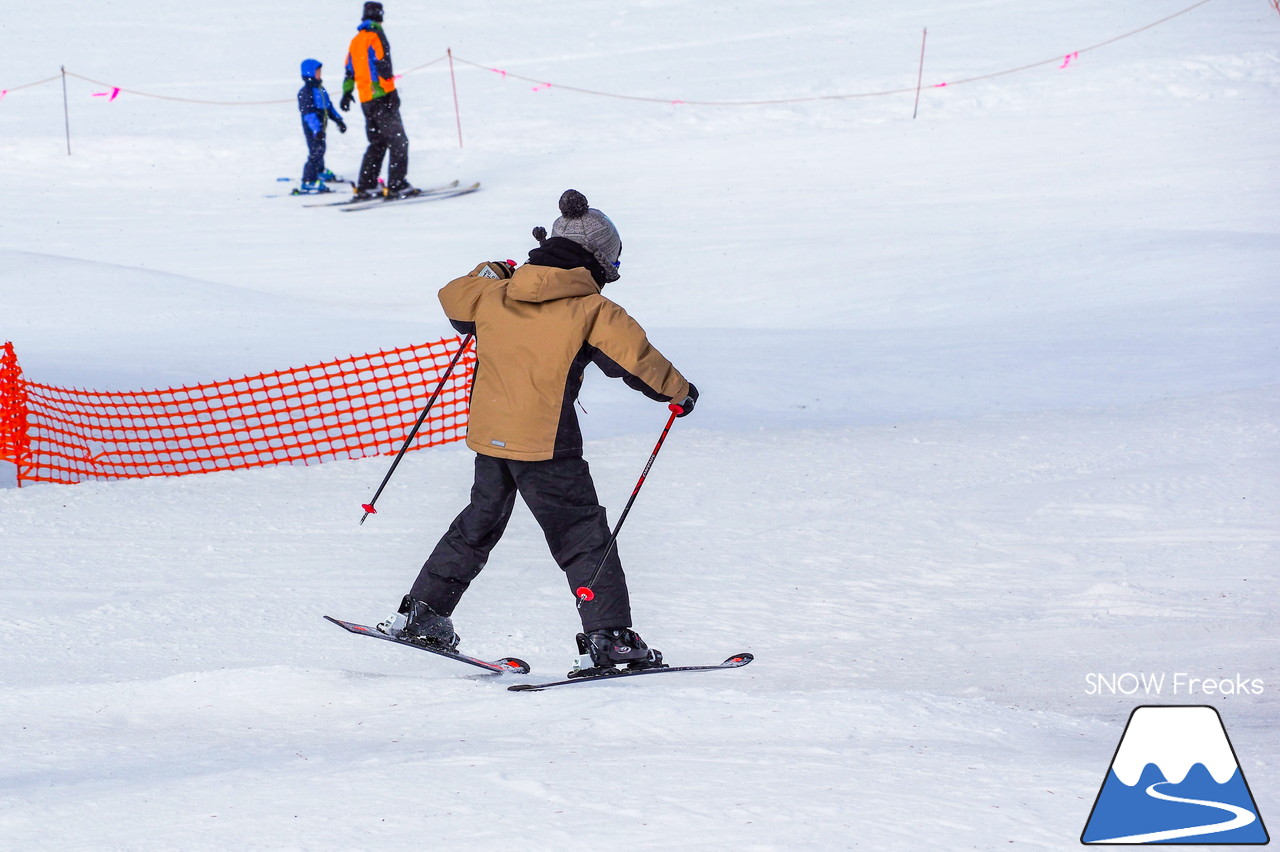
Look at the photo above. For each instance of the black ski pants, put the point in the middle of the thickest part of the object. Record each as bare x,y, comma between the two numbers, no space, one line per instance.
385,132
562,498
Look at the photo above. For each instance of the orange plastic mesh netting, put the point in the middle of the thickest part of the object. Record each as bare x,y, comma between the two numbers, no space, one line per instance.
351,408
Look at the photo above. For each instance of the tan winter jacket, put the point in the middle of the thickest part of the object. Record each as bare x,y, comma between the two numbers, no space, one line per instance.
535,334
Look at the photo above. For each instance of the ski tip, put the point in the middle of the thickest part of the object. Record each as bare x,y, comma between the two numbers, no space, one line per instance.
514,665
738,660
348,626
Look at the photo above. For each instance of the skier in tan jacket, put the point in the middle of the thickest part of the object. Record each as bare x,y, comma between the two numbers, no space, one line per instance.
536,330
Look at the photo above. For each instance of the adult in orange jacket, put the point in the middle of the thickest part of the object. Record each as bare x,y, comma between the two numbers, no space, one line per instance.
536,330
369,75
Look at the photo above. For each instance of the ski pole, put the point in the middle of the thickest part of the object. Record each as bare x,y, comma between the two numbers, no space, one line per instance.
368,507
584,592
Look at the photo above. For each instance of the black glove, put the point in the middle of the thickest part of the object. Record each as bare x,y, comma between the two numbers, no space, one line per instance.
342,125
495,269
687,405
345,103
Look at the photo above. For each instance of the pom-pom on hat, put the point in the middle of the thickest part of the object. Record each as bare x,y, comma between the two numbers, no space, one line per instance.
591,229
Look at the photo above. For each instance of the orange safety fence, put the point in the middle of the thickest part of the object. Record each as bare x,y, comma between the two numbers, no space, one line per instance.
344,409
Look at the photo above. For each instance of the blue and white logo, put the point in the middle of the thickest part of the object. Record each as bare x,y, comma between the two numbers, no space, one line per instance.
1175,780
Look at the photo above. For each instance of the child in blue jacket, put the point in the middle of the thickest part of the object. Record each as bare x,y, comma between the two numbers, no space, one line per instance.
316,109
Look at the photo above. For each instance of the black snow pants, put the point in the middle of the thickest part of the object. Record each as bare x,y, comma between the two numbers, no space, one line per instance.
385,132
562,498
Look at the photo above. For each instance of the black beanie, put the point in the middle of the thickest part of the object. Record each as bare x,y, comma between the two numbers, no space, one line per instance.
373,12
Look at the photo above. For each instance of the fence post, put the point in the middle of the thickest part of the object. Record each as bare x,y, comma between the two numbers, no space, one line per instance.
457,110
920,74
66,110
14,440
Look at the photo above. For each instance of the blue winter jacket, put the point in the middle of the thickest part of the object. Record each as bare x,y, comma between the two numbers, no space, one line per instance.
313,100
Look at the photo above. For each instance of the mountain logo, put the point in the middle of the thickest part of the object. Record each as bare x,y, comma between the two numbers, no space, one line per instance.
1175,779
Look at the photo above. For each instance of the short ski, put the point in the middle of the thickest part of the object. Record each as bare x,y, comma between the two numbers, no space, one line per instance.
352,202
505,665
737,661
426,195
296,191
332,179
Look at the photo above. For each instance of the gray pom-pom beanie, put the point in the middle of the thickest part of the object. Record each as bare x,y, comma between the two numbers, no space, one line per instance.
591,229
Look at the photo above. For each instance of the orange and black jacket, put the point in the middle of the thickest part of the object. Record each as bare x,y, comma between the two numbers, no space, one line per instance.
536,332
369,64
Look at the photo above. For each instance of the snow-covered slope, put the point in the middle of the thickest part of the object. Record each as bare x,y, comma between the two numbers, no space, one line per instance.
989,404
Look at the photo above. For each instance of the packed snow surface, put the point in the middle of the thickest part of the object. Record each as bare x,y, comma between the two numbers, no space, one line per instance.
987,436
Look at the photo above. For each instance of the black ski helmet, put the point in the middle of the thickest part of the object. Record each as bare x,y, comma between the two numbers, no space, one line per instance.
373,12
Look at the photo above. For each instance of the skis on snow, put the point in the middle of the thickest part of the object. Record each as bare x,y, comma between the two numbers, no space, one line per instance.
506,665
435,193
348,200
737,661
425,195
513,665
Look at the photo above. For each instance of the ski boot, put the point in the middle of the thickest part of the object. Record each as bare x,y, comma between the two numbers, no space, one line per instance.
417,621
403,191
366,194
312,187
602,651
327,176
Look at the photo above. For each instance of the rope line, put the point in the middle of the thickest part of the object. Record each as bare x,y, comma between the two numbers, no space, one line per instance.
543,84
52,79
809,99
144,94
1058,59
546,85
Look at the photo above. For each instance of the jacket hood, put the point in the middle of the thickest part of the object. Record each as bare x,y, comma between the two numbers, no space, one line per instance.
533,283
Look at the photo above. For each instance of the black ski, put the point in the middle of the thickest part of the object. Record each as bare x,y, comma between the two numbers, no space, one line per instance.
737,661
429,195
352,202
503,666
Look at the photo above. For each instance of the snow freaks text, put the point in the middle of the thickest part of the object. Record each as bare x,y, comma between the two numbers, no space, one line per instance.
1179,683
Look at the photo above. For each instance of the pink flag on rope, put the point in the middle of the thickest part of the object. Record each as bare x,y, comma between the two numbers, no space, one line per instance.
1068,59
541,86
111,95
